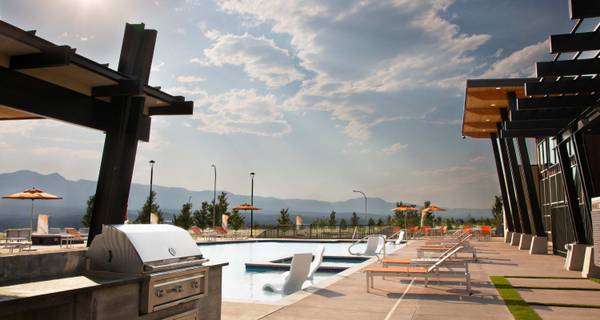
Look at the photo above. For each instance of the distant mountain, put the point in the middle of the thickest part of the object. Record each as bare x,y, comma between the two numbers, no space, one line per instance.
75,193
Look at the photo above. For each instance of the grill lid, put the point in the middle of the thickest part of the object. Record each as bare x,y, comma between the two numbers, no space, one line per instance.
129,247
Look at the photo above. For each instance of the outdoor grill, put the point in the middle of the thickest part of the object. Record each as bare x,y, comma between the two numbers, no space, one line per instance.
165,256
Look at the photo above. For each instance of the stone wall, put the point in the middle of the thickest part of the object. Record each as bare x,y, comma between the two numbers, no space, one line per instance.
37,266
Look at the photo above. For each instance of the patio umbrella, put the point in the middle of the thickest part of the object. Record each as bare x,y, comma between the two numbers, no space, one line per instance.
426,211
246,207
405,209
32,194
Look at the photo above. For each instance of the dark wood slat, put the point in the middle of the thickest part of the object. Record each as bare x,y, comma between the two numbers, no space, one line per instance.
176,108
49,57
568,67
581,9
558,87
573,42
557,102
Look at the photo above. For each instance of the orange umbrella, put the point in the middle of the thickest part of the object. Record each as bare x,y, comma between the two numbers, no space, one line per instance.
32,194
245,207
404,208
426,211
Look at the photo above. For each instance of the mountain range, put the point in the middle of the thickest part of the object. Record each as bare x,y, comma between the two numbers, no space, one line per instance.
68,212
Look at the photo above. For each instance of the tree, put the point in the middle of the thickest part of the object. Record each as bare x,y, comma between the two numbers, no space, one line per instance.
379,222
497,210
371,222
150,206
343,223
236,220
86,221
284,217
184,219
203,216
332,221
354,219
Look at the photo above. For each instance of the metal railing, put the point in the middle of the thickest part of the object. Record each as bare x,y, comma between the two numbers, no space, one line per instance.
323,232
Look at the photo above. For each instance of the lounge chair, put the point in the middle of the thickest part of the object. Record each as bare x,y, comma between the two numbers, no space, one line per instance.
299,270
424,260
314,265
375,244
452,271
195,232
462,241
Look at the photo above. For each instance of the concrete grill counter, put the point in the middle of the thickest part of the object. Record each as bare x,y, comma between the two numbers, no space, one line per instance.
78,286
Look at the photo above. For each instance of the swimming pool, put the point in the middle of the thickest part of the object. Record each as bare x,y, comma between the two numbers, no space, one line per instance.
242,284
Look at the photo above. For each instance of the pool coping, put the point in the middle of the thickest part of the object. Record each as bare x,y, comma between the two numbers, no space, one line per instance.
306,292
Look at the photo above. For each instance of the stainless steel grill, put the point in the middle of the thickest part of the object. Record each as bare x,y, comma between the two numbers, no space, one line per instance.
164,255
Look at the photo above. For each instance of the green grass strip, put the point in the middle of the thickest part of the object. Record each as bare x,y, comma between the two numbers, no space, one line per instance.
520,309
564,305
535,277
556,288
595,280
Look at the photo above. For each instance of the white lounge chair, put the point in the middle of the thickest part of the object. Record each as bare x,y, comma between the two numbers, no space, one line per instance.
298,273
314,265
400,238
375,244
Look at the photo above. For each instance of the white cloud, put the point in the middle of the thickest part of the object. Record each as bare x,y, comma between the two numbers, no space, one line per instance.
520,63
477,159
195,60
394,148
157,66
190,79
261,58
241,111
87,154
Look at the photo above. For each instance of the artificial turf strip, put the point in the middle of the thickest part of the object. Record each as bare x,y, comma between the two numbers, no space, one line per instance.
595,280
564,305
535,277
515,304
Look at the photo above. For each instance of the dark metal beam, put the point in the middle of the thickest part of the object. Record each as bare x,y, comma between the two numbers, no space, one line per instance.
124,88
581,9
534,204
557,102
570,191
510,187
568,67
545,114
502,181
574,42
534,124
518,183
527,133
585,85
583,168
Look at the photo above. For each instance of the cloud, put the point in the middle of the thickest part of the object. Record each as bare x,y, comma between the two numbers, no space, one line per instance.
195,60
157,66
394,148
87,154
477,159
190,79
260,57
520,63
452,170
241,111
351,48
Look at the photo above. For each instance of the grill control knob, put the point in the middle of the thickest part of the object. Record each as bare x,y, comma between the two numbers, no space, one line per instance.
195,284
159,293
178,288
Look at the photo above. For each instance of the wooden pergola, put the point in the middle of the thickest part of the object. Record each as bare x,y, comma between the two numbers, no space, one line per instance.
562,101
41,80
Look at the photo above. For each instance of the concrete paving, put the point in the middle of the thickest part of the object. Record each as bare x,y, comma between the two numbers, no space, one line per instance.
395,298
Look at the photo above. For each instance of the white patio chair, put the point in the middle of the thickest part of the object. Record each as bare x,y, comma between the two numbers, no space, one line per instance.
314,265
298,273
375,244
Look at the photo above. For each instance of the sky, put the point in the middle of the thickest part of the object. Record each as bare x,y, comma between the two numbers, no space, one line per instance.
318,98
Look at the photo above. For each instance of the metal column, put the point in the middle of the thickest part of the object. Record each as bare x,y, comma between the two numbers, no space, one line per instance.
510,187
518,186
502,181
536,212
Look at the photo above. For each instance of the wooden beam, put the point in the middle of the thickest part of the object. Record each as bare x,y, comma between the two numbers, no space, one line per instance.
176,108
51,56
557,102
567,67
22,92
574,42
586,85
581,9
124,88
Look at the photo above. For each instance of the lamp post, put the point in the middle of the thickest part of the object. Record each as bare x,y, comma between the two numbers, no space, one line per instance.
251,203
214,217
151,162
365,196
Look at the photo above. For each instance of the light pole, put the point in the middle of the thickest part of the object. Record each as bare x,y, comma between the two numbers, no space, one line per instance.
251,203
214,197
365,196
151,162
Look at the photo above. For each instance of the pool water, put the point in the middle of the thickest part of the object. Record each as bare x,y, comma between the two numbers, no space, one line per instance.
239,284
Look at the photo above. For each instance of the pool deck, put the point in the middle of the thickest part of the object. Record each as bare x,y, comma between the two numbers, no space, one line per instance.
392,299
